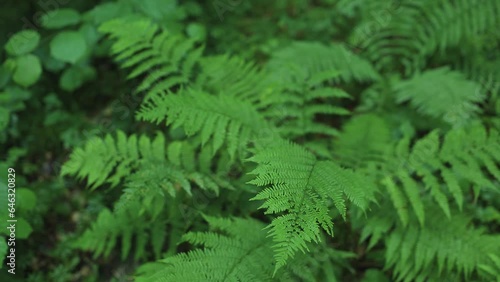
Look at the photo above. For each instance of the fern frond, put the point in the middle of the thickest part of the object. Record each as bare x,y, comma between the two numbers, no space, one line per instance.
417,29
110,228
364,139
163,58
442,94
303,75
222,119
303,187
466,156
491,270
314,61
234,250
232,76
448,245
109,160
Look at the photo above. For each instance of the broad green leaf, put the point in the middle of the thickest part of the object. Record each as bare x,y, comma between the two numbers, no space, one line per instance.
68,46
75,77
71,79
60,18
28,70
25,198
22,42
23,228
107,11
197,31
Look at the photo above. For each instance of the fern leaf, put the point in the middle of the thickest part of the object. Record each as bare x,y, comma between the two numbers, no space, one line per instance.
109,161
302,186
442,94
443,244
223,119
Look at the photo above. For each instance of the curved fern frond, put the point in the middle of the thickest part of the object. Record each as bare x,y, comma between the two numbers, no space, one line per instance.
364,139
491,270
234,250
417,29
110,160
149,170
164,59
232,76
442,94
467,156
449,245
303,187
316,62
111,228
222,119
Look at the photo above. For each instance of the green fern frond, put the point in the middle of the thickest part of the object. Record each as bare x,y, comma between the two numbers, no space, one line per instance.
466,156
491,270
164,59
110,228
364,139
303,187
222,119
416,29
232,76
441,246
234,250
316,62
110,160
442,94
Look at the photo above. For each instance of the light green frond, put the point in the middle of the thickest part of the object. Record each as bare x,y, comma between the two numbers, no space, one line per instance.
232,76
109,160
234,250
442,94
302,187
441,246
219,119
316,63
163,58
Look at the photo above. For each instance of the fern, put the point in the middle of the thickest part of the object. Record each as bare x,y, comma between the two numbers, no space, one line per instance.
165,59
109,161
232,76
418,29
438,248
234,250
302,187
314,61
457,165
351,146
221,119
125,227
492,269
441,94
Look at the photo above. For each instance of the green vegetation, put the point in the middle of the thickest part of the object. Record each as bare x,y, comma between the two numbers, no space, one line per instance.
331,140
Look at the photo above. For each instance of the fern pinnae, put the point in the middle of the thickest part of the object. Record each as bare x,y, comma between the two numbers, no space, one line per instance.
301,186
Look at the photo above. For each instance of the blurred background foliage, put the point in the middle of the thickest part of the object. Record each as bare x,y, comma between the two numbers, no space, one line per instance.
62,87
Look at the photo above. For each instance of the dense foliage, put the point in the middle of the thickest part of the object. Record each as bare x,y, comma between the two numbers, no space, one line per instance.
330,140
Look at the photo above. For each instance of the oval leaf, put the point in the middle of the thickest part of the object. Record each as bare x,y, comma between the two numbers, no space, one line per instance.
22,42
68,46
28,70
60,18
